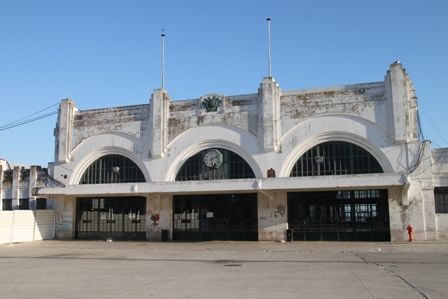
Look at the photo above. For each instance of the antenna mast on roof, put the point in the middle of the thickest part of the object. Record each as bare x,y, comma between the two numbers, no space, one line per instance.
269,47
163,59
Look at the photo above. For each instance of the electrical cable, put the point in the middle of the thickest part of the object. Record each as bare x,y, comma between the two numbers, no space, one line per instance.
421,137
55,181
27,119
420,156
433,126
33,114
10,126
441,155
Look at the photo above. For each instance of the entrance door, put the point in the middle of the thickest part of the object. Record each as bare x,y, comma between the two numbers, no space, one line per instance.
120,218
215,217
356,215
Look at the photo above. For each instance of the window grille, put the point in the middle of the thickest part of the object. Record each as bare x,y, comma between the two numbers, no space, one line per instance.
441,199
112,169
233,167
335,158
338,211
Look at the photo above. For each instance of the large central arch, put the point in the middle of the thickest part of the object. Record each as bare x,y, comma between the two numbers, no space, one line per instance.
213,143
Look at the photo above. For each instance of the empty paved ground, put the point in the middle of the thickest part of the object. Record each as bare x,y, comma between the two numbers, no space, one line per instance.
95,269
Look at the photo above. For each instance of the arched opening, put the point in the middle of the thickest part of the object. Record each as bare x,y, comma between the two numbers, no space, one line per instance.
111,169
215,164
335,158
119,218
338,215
215,216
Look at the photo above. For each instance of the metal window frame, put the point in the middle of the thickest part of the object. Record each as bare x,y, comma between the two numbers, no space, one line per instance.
339,158
102,171
441,200
233,167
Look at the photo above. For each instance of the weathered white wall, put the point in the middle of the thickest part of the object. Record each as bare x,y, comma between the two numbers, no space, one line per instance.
272,216
439,161
442,227
158,205
65,217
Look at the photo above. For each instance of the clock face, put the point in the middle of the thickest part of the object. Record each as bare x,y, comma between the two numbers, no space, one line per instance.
213,159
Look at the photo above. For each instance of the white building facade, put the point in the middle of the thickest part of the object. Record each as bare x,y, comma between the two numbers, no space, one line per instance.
333,163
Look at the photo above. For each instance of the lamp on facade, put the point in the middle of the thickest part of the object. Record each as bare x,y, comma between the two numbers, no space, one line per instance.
116,174
318,160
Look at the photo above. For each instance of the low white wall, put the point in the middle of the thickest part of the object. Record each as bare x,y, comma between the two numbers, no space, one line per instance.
26,226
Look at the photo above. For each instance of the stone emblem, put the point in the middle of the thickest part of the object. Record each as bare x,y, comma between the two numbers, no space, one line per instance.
211,104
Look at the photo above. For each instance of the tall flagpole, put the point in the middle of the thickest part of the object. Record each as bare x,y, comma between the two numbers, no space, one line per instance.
269,47
163,59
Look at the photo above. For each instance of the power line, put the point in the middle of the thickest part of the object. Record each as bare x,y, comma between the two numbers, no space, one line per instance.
433,125
27,119
9,126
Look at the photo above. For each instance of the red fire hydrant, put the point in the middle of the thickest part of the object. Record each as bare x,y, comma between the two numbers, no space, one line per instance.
409,228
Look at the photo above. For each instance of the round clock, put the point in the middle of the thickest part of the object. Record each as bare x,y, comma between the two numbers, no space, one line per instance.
213,158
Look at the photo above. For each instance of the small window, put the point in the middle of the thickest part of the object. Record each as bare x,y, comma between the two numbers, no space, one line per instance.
7,205
24,204
441,199
41,204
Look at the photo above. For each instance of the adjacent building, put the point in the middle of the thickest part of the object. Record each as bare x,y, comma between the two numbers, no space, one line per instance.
16,187
23,216
332,163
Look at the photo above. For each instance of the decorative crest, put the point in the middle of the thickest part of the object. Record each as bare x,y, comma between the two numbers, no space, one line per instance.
211,104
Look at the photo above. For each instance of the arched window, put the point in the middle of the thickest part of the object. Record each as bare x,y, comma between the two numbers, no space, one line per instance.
335,158
112,169
215,164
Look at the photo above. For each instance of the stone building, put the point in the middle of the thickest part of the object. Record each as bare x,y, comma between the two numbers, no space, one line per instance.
23,216
332,163
17,183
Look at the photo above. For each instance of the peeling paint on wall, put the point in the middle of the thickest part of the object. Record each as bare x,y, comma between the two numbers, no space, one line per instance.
279,211
64,224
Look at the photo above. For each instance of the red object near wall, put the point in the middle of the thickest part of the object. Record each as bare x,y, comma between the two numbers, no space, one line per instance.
409,228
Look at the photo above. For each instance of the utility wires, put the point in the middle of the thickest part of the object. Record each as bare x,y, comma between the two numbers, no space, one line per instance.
30,118
433,125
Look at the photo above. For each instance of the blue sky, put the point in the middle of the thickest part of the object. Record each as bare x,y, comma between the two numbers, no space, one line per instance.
106,53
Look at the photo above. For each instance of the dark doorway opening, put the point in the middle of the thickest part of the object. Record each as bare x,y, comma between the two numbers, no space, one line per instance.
349,215
215,217
119,218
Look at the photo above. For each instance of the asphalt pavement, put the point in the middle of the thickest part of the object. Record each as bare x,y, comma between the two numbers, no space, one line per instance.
100,269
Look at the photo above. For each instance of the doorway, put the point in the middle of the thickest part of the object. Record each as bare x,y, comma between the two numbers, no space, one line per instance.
215,217
349,215
119,218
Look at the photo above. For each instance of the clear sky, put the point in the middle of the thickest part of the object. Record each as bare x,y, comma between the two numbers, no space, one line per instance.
107,53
